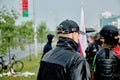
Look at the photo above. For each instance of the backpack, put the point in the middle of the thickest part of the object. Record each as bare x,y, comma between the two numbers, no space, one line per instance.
106,65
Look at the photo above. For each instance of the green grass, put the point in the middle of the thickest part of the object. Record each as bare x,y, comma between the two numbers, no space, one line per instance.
30,66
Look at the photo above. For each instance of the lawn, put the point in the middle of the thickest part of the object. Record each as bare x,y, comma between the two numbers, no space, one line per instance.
29,66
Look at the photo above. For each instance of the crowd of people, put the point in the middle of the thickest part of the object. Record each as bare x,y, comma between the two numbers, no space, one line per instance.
64,62
103,54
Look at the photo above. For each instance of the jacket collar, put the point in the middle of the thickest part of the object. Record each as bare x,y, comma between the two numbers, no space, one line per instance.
67,42
107,46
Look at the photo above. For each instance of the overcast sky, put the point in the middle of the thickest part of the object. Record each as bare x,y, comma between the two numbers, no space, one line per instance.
54,11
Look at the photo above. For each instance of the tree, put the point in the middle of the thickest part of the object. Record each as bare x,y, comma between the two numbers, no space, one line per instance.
7,30
42,32
26,34
12,36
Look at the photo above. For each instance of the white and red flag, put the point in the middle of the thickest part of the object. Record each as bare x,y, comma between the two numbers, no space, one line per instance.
82,37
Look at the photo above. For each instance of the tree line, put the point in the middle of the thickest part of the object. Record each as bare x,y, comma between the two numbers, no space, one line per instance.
13,36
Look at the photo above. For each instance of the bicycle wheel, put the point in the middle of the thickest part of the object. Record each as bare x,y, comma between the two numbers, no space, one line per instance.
1,67
17,66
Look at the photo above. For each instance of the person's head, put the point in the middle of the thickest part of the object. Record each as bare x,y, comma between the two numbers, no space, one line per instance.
110,34
98,38
68,28
90,39
50,37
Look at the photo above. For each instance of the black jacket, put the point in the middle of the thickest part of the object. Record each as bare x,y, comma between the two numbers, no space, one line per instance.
47,47
64,63
91,51
107,65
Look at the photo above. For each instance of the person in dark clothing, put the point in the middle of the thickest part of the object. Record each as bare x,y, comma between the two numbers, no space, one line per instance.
107,62
93,47
64,62
48,45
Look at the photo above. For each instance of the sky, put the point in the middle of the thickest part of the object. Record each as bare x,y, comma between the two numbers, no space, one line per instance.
55,11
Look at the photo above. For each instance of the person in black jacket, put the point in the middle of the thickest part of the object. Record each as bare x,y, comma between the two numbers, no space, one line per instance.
48,45
64,62
107,62
94,47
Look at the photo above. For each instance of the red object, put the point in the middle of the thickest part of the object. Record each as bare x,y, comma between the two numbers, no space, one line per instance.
81,51
117,50
24,4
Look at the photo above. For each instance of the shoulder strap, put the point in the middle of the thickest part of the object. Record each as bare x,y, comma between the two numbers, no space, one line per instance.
107,54
93,64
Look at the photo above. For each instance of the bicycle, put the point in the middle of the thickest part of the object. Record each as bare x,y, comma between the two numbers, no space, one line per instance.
16,65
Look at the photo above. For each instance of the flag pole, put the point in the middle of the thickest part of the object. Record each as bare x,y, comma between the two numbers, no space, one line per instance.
35,30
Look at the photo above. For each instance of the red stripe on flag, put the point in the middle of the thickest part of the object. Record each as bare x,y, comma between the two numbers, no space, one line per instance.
81,50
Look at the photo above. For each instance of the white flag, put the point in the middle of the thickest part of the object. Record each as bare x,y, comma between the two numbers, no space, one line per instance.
82,37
